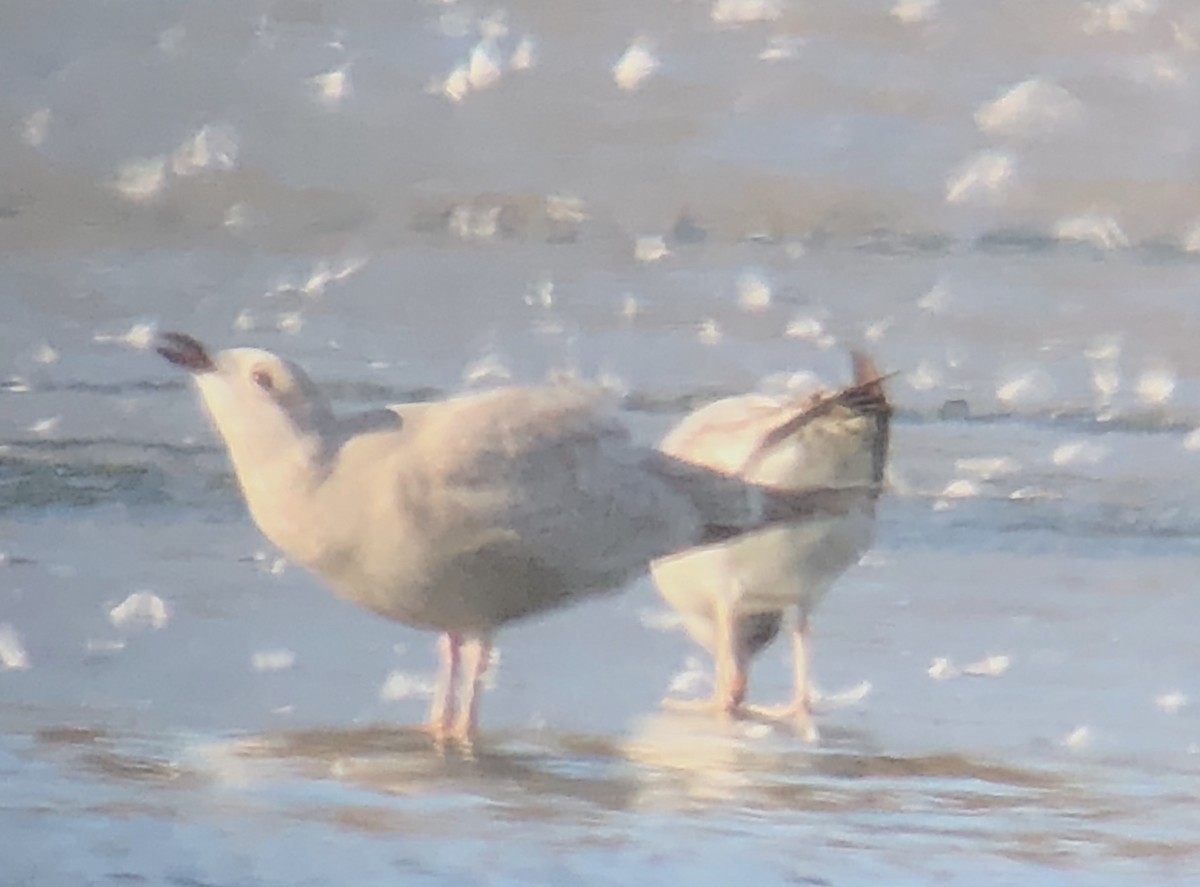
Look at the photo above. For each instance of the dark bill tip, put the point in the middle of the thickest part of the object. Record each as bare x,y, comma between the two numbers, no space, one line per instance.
184,351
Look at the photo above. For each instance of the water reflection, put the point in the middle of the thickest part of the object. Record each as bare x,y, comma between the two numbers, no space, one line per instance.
672,771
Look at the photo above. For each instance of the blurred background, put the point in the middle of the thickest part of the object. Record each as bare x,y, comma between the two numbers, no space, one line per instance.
681,199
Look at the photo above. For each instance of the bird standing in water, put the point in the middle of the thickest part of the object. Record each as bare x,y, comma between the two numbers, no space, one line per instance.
465,514
733,594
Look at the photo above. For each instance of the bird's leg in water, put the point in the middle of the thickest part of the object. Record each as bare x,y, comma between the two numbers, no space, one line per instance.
441,713
477,655
799,710
730,664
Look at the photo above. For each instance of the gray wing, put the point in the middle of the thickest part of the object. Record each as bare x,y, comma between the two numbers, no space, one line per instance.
547,474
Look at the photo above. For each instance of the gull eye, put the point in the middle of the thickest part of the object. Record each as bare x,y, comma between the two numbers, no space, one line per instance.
263,380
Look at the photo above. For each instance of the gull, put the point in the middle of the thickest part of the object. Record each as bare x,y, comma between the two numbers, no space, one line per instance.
733,594
465,514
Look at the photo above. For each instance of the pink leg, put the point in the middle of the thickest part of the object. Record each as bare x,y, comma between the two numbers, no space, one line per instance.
477,654
801,690
730,664
441,713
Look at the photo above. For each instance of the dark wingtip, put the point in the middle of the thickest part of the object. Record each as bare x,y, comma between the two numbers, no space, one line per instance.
871,397
185,351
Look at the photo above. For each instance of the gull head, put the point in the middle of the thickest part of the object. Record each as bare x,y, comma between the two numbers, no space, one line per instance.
264,407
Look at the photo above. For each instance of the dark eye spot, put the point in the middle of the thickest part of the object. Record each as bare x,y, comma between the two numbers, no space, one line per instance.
263,380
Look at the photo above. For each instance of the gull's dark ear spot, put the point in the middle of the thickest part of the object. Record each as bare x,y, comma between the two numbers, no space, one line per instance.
263,379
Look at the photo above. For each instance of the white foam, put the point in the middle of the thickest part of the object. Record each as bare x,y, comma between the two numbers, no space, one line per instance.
13,656
630,307
142,609
237,217
793,385
1030,108
485,66
735,13
990,667
488,369
1184,38
988,467
937,299
96,647
805,327
924,378
1032,494
455,86
524,57
709,331
660,620
780,48
1104,348
273,660
981,179
290,322
475,222
347,267
1118,16
45,354
541,293
1158,69
35,126
44,426
875,331
1106,380
960,488
753,291
494,26
913,12
635,65
1078,739
1156,386
1171,702
1099,229
332,87
650,248
1191,443
841,698
942,669
244,322
212,147
1029,386
400,685
690,680
140,336
141,180
1191,238
566,208
1079,452
613,382
456,21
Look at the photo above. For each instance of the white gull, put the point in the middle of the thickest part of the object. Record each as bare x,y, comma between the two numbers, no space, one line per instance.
468,513
733,594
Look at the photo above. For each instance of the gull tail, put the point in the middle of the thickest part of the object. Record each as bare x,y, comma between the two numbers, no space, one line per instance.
865,397
845,488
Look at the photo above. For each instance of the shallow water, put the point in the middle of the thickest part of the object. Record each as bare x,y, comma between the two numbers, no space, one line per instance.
998,201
